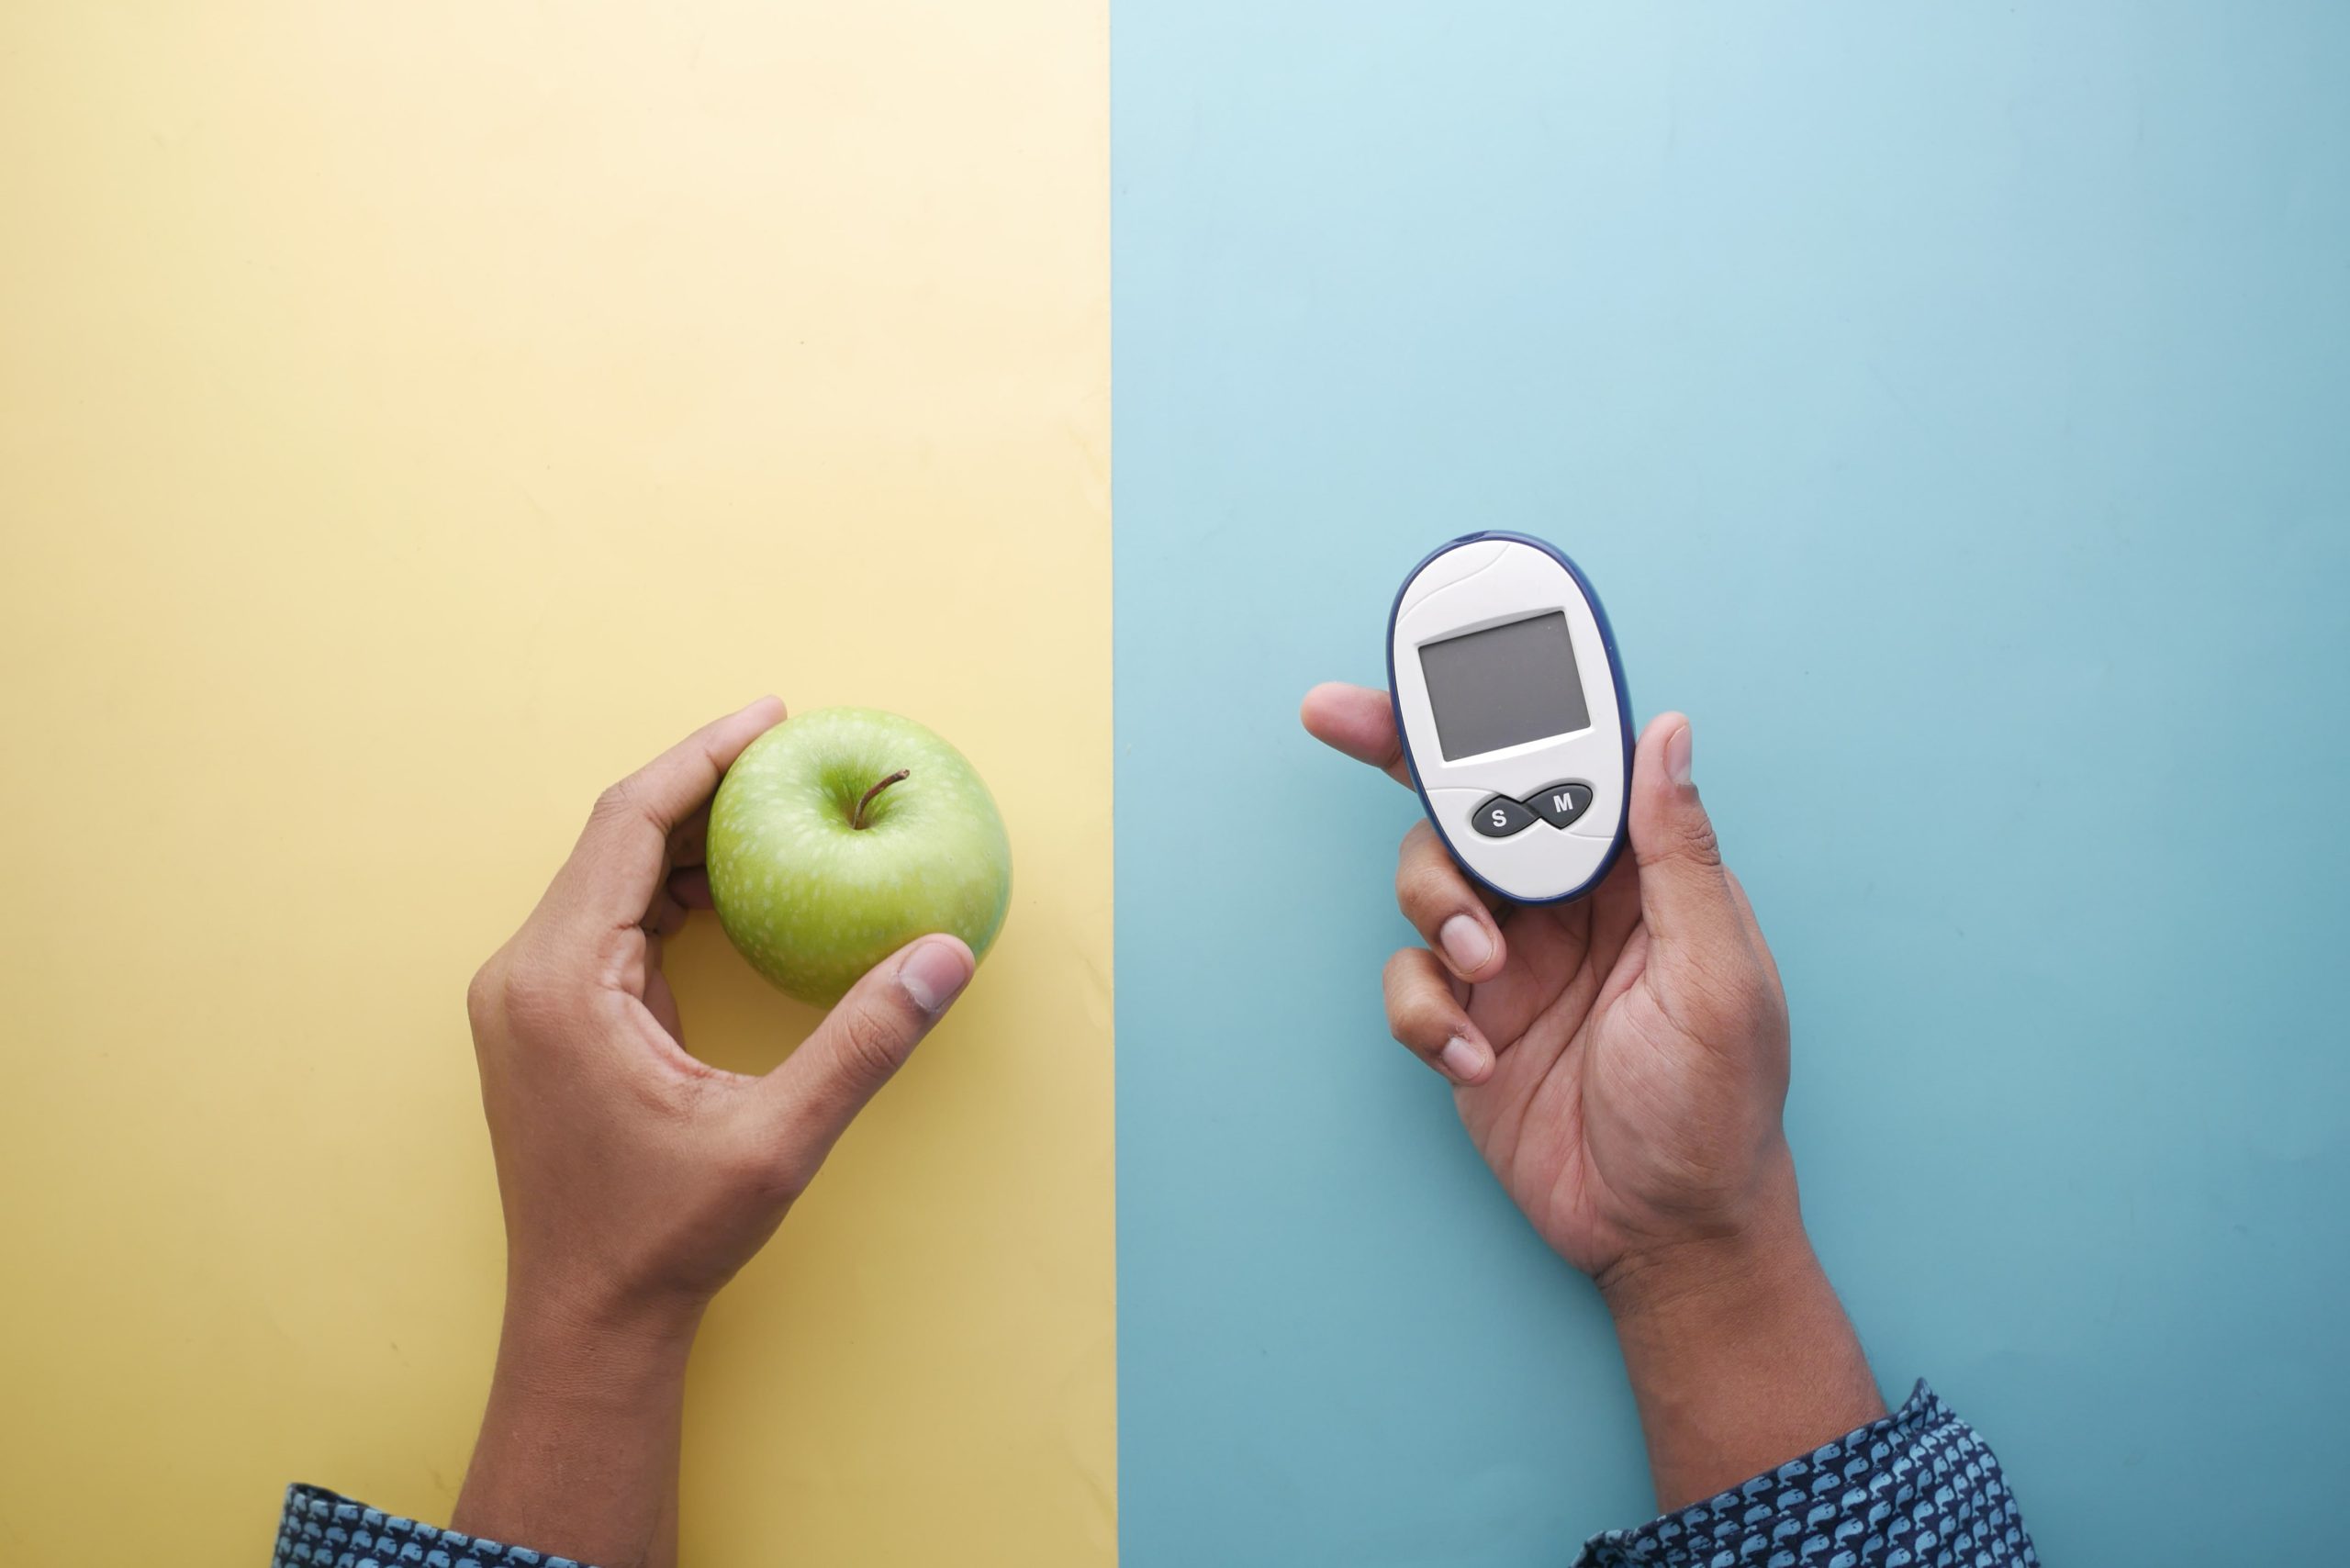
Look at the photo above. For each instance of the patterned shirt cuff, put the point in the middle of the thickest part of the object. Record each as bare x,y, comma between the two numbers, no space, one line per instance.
1916,1488
322,1529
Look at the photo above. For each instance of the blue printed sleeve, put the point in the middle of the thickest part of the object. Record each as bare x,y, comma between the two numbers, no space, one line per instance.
1917,1489
321,1529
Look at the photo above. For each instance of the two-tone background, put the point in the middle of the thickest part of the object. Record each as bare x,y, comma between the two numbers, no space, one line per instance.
413,417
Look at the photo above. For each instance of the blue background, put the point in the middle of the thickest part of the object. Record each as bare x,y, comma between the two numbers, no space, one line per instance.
1950,403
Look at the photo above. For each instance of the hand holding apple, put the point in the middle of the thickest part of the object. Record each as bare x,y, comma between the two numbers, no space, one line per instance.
635,1179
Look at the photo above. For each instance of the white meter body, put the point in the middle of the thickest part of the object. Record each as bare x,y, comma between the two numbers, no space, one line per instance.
1510,702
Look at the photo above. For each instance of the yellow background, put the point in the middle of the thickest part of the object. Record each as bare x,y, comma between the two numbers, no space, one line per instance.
411,417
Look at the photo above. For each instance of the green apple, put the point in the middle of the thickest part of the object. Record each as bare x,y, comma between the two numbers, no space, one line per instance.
842,835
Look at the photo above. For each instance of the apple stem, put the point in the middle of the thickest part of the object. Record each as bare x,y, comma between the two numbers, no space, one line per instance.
857,820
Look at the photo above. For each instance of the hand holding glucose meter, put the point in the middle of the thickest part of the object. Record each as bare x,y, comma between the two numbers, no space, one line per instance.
1510,703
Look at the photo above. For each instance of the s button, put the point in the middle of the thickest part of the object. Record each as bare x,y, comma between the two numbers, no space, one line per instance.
1498,817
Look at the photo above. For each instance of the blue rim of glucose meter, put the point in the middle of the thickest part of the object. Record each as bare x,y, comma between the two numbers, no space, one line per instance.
1615,675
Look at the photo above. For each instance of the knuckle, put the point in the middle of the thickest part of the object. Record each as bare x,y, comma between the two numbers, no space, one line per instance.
1421,1031
1425,889
534,996
871,1046
759,1171
1763,1003
1700,844
1412,1012
486,993
618,802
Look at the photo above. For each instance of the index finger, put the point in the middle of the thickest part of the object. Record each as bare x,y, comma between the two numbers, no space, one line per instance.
622,855
1358,721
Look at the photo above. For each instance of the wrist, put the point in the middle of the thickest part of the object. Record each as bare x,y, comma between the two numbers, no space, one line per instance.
578,1447
559,1345
571,1299
1738,1354
1719,1274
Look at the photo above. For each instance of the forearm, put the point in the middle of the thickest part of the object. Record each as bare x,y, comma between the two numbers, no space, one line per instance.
579,1448
1740,1358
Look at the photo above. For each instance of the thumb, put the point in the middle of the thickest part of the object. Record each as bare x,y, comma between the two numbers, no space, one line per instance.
810,1099
1685,897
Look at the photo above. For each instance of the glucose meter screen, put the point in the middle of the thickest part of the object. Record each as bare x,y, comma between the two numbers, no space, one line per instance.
1505,686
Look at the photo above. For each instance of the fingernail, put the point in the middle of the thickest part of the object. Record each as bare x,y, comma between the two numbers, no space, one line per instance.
934,973
1463,1059
1677,747
1466,942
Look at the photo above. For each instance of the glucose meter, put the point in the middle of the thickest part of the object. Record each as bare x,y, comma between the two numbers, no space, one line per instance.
1509,701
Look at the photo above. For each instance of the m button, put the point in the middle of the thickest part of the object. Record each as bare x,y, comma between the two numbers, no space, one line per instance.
1561,804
